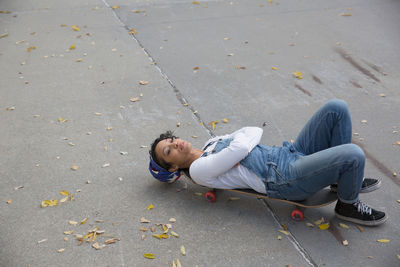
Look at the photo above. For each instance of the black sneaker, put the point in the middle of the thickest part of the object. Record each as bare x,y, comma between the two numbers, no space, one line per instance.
360,213
368,185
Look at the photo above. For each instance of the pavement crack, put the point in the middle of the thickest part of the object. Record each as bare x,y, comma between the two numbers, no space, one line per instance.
181,98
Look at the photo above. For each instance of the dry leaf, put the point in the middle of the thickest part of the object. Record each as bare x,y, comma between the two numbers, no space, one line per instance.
64,193
29,49
318,222
183,251
84,221
174,234
345,243
233,198
344,226
68,232
284,232
115,7
73,222
143,220
75,28
345,14
143,229
149,207
364,121
66,238
142,82
4,35
72,47
8,201
49,203
173,264
79,60
279,237
149,255
74,167
133,31
172,220
109,128
152,229
196,3
225,120
298,75
63,199
178,263
274,68
110,241
41,241
383,240
310,224
360,228
198,194
134,99
98,246
61,250
162,236
323,226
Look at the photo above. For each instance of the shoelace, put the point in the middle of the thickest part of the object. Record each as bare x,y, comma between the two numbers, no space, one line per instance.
363,208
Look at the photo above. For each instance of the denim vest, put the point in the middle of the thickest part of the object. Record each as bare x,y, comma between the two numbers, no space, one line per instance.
268,163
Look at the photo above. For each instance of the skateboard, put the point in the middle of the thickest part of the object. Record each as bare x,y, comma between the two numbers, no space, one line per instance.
322,198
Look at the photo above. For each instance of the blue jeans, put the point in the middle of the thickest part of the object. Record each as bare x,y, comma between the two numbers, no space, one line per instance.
322,155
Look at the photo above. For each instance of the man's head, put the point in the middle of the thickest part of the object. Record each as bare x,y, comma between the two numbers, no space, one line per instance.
168,154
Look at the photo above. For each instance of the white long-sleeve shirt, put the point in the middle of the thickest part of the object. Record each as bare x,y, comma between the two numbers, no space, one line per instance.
218,170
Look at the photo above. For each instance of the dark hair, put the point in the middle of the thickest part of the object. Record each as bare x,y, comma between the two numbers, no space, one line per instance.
152,151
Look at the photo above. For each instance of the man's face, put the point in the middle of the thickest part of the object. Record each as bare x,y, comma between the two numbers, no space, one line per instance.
174,151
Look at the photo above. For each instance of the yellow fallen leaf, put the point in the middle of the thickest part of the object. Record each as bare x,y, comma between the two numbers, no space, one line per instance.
5,12
279,237
284,232
310,224
75,28
173,264
64,199
345,14
178,263
398,256
318,222
72,47
133,31
298,75
49,203
79,60
233,198
198,194
84,221
162,236
274,68
110,241
4,35
383,240
344,226
109,128
68,232
115,7
29,49
149,255
174,234
61,250
73,222
382,95
323,226
183,251
149,207
196,3
225,120
64,193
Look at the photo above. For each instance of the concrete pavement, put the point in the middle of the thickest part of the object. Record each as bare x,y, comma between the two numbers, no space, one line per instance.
73,98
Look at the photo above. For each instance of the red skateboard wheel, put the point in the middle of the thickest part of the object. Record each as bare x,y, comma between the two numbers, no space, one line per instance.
210,196
297,215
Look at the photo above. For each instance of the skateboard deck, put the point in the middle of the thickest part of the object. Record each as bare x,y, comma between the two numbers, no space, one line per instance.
322,198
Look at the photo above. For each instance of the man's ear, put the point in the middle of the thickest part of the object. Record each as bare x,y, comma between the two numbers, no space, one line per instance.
173,168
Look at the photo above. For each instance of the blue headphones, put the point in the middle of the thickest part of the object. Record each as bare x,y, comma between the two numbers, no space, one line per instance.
162,174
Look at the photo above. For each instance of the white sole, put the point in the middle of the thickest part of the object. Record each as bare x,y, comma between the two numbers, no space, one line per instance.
358,221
